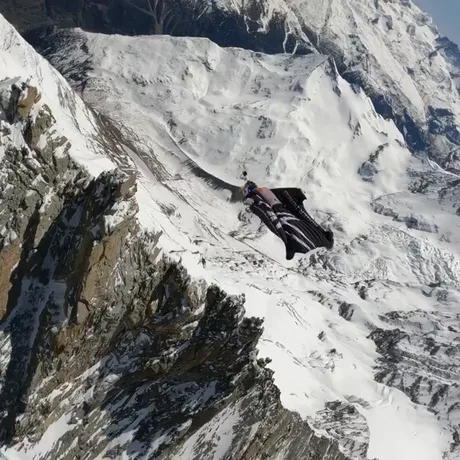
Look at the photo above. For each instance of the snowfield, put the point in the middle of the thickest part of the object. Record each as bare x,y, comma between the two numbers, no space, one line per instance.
288,121
391,48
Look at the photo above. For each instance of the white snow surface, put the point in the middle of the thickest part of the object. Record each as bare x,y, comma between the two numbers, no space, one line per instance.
288,122
393,41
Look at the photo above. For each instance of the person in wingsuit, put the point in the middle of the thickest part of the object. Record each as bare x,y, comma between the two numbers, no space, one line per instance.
282,211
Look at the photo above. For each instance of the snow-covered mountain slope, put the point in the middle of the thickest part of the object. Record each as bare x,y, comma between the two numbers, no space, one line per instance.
108,348
364,338
391,49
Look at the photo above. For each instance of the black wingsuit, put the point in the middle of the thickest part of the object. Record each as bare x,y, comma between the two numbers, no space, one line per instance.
290,221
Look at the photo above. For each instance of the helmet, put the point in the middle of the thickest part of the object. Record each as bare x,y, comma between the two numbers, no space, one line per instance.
248,187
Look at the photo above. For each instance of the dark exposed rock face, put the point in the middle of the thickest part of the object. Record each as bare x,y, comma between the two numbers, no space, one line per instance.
243,28
346,310
343,421
370,167
104,336
55,240
449,49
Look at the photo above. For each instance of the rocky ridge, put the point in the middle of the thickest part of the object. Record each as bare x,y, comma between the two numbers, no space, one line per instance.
101,333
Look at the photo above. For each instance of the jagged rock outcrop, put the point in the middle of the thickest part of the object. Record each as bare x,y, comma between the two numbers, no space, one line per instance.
48,204
248,26
27,177
106,339
371,166
344,422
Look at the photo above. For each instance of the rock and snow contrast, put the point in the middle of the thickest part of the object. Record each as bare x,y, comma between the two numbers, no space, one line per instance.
146,314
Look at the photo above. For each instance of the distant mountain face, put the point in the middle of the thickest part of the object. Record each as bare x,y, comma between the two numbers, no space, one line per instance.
390,49
247,27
